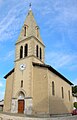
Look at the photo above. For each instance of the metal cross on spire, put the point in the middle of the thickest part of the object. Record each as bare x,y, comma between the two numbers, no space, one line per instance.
30,6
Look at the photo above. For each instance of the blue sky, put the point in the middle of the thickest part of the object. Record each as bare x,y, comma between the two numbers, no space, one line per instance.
57,20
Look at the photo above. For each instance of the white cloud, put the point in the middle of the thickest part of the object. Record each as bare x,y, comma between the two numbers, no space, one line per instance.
1,1
2,95
1,85
59,59
11,23
9,55
62,13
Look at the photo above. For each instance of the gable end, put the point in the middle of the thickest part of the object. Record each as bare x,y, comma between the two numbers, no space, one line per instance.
9,73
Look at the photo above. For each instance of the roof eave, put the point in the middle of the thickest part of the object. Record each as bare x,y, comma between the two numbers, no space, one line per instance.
9,73
54,71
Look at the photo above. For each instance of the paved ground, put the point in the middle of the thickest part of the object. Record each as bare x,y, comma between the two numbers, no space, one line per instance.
21,117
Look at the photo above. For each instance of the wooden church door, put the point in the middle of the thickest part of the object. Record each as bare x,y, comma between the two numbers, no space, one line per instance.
20,106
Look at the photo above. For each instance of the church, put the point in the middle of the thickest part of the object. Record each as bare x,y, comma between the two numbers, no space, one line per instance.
33,87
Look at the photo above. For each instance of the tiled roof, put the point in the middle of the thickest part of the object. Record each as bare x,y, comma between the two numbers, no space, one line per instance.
54,71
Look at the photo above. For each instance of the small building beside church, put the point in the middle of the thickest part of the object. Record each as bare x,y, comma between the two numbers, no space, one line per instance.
33,87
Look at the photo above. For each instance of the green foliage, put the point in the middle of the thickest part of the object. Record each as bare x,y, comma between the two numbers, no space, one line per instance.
74,89
75,105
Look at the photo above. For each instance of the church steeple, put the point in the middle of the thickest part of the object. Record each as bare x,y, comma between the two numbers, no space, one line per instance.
29,43
30,27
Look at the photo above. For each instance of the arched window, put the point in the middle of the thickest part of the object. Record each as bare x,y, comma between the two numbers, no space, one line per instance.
69,94
21,83
25,31
21,52
37,50
40,53
26,50
62,92
37,31
53,88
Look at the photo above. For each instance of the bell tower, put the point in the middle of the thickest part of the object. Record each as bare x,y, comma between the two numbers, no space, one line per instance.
29,43
29,49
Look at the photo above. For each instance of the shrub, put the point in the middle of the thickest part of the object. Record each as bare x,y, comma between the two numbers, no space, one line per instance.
75,105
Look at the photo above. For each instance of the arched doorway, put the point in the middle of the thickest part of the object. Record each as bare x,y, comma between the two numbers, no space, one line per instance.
21,102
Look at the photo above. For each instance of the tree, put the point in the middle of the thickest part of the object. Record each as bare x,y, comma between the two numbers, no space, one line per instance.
74,89
75,105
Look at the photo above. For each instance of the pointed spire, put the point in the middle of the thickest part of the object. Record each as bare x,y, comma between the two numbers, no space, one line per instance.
31,26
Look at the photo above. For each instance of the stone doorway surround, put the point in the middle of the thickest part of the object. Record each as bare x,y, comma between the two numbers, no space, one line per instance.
27,104
15,102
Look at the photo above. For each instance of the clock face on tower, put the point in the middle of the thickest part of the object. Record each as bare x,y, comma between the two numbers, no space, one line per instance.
22,67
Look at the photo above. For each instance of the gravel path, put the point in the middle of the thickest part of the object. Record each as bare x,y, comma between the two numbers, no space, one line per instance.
10,117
